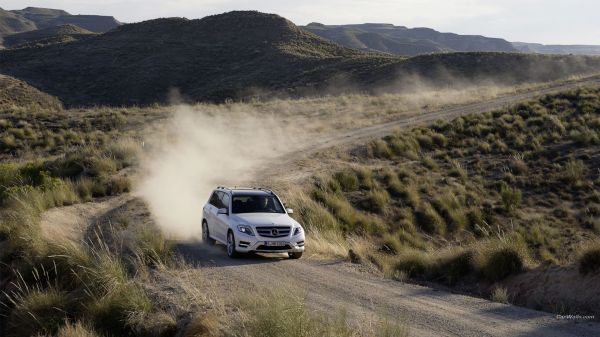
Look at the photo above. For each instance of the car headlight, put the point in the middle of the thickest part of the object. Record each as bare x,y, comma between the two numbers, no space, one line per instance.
245,229
297,231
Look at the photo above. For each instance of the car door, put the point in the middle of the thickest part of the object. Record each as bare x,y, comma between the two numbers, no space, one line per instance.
211,210
222,220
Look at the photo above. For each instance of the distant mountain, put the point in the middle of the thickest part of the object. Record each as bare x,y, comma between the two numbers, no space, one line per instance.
557,48
55,34
400,40
32,18
45,18
244,53
13,23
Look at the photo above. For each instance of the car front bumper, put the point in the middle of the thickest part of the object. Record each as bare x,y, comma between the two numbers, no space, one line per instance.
246,244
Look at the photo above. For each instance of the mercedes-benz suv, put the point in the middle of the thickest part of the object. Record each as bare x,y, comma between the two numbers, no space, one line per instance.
251,220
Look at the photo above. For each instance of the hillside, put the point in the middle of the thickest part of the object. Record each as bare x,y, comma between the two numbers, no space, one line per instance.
241,54
557,48
46,36
12,23
405,41
479,203
15,93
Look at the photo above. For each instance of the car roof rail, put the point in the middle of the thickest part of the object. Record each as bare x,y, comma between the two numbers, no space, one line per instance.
264,189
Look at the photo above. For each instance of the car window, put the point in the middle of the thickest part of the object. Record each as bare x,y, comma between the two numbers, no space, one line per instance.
224,200
214,200
256,204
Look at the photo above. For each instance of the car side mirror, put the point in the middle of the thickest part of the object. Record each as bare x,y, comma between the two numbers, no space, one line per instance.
223,211
289,211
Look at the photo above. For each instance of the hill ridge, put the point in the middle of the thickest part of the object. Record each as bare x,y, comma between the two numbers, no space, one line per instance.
243,54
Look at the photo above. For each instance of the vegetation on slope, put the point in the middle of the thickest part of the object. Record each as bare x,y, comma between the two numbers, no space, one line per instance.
476,199
56,34
16,94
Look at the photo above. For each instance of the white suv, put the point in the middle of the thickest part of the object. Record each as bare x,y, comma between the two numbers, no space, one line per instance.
251,220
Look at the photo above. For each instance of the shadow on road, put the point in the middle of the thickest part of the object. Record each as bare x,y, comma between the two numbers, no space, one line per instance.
200,254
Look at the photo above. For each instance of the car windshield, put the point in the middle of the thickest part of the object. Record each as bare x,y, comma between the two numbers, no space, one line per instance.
256,204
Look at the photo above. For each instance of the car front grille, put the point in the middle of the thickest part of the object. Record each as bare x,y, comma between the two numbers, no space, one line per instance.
273,231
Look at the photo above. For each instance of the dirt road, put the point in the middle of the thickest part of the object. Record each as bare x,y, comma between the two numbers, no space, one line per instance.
422,118
330,285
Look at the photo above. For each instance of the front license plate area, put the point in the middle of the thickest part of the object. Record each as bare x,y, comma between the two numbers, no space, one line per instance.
275,243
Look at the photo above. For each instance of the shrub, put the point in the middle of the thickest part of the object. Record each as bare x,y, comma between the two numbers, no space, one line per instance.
457,170
410,195
77,329
429,162
589,259
111,313
518,165
377,200
429,220
347,180
38,312
152,247
365,178
450,208
453,265
380,149
500,295
312,214
574,172
511,197
499,260
412,263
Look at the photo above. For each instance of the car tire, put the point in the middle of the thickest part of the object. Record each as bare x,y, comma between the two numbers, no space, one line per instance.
206,235
295,256
231,252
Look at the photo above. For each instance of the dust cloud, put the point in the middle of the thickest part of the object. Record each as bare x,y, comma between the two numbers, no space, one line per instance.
199,150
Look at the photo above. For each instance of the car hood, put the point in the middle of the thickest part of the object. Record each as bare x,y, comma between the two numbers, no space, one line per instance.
265,219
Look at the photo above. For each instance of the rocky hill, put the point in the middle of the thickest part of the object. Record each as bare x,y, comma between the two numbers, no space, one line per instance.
401,40
241,54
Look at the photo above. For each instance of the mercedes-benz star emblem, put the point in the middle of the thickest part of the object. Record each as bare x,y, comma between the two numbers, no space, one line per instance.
275,232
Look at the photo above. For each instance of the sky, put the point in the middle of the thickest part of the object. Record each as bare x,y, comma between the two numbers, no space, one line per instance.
542,21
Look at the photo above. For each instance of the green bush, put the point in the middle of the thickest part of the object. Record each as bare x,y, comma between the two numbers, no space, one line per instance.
412,263
450,208
574,172
112,312
410,195
453,266
429,220
511,197
380,149
347,180
589,260
38,312
377,200
499,260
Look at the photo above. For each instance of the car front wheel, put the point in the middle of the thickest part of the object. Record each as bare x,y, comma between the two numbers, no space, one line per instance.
231,252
